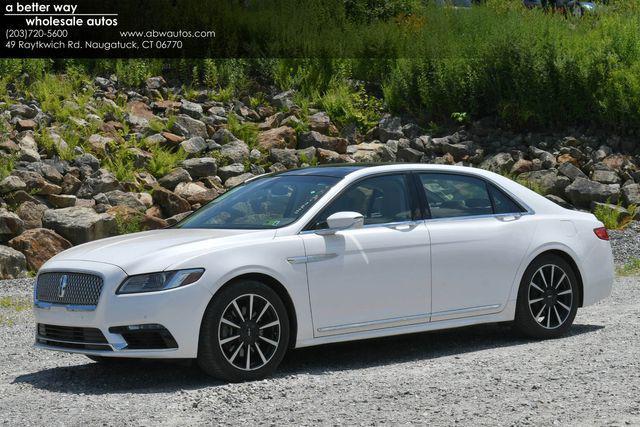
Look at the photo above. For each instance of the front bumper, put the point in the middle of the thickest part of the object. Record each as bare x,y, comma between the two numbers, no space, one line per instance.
178,310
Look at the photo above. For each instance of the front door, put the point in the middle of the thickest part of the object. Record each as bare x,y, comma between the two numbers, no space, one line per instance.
374,277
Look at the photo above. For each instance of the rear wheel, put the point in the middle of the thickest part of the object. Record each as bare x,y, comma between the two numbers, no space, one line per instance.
547,299
244,333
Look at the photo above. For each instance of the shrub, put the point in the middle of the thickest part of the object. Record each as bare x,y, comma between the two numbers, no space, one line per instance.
614,217
164,161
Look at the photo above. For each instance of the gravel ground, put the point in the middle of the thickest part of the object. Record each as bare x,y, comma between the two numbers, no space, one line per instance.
479,375
626,243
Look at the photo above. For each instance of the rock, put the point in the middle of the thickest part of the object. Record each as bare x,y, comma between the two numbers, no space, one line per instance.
223,136
130,200
498,163
287,157
318,140
189,189
571,171
615,162
281,137
284,100
204,197
170,203
100,182
236,151
545,181
237,180
390,128
631,194
175,177
27,155
568,158
326,157
39,245
172,140
522,166
605,176
12,183
79,224
559,201
177,218
31,214
10,225
70,184
87,160
36,184
194,145
13,264
367,152
155,83
407,154
153,223
26,124
23,110
320,122
48,171
61,200
229,171
189,127
199,168
99,143
583,191
459,151
191,109
103,83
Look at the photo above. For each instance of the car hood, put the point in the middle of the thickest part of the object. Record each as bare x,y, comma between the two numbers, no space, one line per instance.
158,250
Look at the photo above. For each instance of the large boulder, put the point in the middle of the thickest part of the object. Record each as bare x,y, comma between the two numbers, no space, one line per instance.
80,224
200,168
194,145
236,151
13,264
318,140
39,245
130,200
170,203
287,157
229,171
31,214
545,181
498,163
175,177
10,225
571,171
282,137
191,109
367,152
189,127
12,183
631,194
583,191
100,182
390,128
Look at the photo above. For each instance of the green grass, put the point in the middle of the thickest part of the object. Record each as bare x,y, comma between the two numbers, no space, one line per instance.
164,161
7,164
15,304
129,225
612,218
630,268
246,131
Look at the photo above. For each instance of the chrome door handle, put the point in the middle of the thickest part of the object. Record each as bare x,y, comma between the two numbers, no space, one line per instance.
509,218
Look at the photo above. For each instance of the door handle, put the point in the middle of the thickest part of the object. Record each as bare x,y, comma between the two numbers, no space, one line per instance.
509,218
404,226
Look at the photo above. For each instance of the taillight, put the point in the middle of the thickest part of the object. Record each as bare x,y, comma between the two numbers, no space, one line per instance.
601,233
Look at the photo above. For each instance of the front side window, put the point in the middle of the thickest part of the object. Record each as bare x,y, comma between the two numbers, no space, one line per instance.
381,200
266,203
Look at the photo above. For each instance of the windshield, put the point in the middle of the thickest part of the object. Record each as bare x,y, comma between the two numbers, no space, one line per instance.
265,203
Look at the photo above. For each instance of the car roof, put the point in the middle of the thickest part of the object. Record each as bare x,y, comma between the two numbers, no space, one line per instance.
334,171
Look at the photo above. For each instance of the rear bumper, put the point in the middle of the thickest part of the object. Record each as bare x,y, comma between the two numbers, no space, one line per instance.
178,310
597,273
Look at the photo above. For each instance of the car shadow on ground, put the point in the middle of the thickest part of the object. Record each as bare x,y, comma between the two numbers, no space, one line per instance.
168,376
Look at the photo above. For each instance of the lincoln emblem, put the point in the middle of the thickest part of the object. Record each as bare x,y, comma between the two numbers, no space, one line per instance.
62,286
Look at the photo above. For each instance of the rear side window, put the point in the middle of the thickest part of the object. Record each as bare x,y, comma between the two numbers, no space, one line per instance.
381,200
454,196
503,203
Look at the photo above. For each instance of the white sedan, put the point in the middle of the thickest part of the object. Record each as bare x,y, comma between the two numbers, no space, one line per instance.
321,255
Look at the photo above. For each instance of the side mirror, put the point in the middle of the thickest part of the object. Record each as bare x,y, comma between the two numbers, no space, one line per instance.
342,221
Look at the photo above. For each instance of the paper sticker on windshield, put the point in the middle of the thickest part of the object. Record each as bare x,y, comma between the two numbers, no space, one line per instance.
273,222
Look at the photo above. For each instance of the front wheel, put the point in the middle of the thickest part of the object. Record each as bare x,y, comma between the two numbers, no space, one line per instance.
547,299
244,333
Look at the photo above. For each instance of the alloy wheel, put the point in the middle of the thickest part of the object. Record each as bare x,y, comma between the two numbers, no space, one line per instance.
249,332
550,296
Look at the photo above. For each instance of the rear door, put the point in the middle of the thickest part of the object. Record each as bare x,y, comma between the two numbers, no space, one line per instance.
479,236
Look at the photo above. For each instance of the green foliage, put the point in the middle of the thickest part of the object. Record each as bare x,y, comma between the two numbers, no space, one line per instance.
129,224
350,105
246,131
7,164
613,216
630,268
14,304
164,160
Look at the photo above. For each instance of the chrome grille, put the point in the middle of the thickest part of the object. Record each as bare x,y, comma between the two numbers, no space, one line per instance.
80,289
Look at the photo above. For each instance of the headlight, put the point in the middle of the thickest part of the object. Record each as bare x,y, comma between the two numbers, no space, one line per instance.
163,281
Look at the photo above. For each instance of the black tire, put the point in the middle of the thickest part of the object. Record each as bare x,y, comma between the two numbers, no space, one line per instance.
222,360
541,308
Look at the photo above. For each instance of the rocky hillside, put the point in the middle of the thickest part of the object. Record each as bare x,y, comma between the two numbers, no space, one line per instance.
109,160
